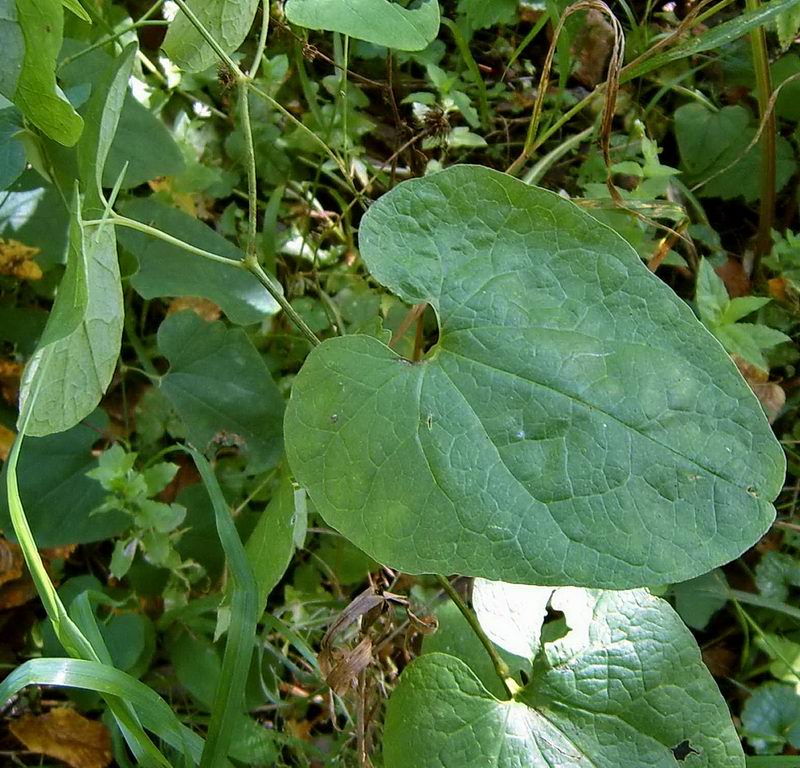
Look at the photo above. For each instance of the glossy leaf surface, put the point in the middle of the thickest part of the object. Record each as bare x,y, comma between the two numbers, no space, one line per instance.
624,688
377,21
575,423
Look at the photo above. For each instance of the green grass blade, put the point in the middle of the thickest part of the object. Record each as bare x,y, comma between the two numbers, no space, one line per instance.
155,714
714,39
229,696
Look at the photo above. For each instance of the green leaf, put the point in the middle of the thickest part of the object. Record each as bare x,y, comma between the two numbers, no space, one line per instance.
697,600
717,38
78,352
775,573
12,44
59,498
271,544
12,153
155,714
36,93
784,655
788,26
455,637
511,615
741,306
221,387
381,22
574,424
166,270
487,13
771,718
711,295
227,21
748,340
76,8
712,141
623,688
36,215
145,144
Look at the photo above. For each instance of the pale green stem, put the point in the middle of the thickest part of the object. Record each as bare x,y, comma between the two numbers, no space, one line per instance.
535,174
251,256
275,291
124,221
499,665
262,40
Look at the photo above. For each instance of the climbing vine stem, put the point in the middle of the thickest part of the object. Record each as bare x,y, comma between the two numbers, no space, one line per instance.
500,666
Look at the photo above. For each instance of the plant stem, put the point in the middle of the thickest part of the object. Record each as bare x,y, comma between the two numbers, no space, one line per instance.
275,291
499,665
250,257
534,175
758,46
124,221
262,40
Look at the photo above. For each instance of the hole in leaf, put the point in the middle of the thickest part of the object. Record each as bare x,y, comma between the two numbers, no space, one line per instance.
683,750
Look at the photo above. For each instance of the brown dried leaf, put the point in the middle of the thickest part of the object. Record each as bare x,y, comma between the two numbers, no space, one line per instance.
10,372
736,279
205,308
16,585
16,259
342,667
11,562
771,395
6,440
64,734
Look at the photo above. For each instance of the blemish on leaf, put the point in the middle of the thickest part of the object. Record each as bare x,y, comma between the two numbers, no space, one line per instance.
683,750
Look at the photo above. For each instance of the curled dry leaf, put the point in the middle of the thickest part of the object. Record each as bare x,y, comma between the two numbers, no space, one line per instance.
771,395
342,666
66,735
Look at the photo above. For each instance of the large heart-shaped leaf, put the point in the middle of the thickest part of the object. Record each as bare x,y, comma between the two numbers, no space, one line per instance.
575,423
624,688
382,22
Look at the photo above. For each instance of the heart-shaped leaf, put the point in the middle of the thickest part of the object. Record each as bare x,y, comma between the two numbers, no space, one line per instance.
575,423
382,22
624,688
